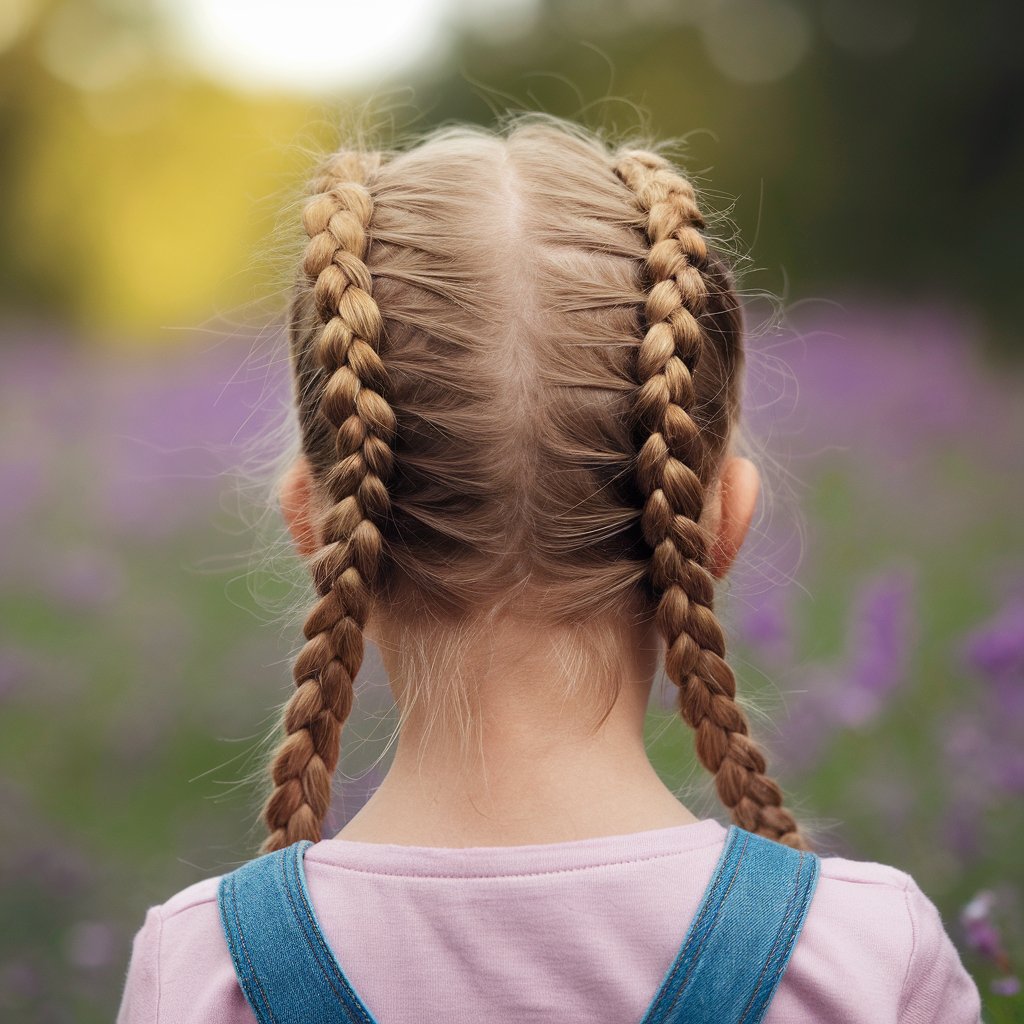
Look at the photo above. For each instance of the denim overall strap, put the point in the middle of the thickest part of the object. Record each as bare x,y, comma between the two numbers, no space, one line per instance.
741,938
285,967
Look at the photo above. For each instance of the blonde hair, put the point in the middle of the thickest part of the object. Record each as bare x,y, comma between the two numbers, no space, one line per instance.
517,359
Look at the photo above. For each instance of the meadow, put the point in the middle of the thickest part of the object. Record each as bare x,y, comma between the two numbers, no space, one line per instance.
150,606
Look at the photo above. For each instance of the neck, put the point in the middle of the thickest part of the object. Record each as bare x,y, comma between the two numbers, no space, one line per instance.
536,770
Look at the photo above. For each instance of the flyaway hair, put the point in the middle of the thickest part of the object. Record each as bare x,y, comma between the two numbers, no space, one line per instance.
684,288
517,359
349,402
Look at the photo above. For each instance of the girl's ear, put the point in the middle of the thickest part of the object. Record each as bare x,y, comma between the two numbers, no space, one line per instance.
740,484
296,492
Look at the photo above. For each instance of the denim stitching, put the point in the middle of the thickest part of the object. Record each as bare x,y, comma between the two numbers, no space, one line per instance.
241,940
808,890
309,943
250,978
704,912
328,955
360,1007
232,944
326,963
785,923
694,926
718,914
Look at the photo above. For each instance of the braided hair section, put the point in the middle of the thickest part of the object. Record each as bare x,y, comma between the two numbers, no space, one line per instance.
667,471
346,347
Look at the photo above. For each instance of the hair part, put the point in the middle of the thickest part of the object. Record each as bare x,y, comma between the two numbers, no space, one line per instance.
517,359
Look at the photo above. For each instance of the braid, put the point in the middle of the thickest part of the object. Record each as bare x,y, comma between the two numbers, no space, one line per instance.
336,219
678,262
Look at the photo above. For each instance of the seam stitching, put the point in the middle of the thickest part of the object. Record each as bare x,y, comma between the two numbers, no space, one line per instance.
902,1004
517,874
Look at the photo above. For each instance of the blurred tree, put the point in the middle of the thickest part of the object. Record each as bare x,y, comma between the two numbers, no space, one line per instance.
870,147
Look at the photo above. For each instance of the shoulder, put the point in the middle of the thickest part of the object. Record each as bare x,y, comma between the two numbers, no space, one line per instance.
873,933
863,909
180,968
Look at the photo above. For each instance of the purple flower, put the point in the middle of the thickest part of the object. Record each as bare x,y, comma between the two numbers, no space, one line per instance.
852,692
145,430
983,935
764,624
995,649
986,743
1009,985
985,755
916,369
880,639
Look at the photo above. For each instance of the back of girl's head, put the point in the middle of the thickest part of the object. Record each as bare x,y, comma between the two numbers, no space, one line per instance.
517,359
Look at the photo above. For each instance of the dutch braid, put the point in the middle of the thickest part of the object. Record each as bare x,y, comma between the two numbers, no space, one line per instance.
674,496
337,219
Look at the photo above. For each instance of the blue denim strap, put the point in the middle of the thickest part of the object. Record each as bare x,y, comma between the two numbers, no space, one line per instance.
742,936
727,970
285,967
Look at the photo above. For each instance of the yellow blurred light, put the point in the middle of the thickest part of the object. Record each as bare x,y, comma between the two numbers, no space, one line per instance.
15,16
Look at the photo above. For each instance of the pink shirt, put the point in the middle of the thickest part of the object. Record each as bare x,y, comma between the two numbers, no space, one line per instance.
582,930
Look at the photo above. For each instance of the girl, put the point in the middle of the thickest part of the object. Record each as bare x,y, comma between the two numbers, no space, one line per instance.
517,360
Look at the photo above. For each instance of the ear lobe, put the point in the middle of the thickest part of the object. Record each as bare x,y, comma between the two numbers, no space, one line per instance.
296,494
740,487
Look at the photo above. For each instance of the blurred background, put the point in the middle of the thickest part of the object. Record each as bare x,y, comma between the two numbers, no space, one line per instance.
870,156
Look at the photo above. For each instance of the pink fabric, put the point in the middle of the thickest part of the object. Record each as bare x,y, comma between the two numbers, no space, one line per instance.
581,930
